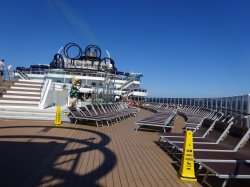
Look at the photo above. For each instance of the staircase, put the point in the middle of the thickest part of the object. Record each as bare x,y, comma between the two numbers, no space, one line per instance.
128,93
22,94
127,84
20,100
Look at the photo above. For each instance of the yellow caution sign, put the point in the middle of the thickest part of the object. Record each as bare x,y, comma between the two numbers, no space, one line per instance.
58,120
186,171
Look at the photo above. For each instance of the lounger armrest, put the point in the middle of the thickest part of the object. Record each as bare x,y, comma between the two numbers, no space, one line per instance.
191,123
190,127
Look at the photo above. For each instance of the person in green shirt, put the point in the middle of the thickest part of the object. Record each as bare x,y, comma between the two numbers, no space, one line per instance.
73,94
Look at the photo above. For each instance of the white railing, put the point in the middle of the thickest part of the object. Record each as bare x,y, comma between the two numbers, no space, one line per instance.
44,101
45,83
23,75
127,84
61,72
136,92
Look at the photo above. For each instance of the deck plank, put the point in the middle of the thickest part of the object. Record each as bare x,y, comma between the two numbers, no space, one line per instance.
136,164
82,162
102,178
120,167
90,156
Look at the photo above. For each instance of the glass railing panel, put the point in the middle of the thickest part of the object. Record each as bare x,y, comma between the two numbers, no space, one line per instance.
223,105
239,103
245,104
234,105
210,103
192,101
218,101
214,103
184,101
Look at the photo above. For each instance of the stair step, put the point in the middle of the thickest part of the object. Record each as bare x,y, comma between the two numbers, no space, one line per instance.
21,92
4,105
31,81
21,96
27,85
24,88
25,102
17,107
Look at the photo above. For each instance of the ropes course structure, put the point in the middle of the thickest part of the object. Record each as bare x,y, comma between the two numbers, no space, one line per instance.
70,46
93,53
58,62
90,57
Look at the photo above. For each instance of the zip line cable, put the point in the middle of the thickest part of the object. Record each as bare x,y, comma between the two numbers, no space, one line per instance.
65,19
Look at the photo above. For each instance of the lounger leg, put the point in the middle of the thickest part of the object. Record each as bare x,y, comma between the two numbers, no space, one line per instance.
137,127
97,124
225,183
76,121
174,150
167,145
174,154
160,140
205,178
199,169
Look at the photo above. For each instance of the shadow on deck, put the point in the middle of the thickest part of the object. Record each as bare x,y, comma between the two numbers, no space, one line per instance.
35,162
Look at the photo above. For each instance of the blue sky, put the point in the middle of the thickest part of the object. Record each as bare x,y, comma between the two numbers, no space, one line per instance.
194,48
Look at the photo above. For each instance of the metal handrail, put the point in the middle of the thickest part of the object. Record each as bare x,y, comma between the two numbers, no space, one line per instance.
23,75
43,90
127,83
44,87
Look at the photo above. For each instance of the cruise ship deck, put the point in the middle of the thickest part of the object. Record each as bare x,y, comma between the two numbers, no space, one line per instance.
37,153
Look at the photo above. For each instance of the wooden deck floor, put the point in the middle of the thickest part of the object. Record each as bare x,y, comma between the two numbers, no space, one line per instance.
36,153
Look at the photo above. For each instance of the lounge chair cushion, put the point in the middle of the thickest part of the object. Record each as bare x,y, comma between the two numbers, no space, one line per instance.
237,131
220,126
207,122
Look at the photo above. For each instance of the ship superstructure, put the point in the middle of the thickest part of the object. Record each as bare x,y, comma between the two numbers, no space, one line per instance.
100,80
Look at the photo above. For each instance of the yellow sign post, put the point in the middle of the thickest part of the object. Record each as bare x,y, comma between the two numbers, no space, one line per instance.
58,120
186,171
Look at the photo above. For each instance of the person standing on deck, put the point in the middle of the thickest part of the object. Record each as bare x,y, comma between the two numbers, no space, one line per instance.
73,95
1,69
